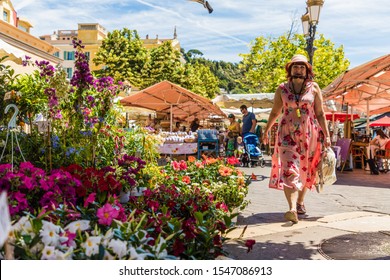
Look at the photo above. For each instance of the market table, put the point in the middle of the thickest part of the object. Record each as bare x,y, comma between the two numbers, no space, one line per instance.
178,148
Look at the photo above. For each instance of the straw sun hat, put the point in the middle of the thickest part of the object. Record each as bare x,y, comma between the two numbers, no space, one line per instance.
298,58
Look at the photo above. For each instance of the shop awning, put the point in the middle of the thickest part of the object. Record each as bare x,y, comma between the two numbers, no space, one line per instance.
385,121
169,98
365,87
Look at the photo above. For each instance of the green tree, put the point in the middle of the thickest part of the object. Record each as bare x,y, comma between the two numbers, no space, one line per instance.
264,65
199,79
123,56
7,77
163,63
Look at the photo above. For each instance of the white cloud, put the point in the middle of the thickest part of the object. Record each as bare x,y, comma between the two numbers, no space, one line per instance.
360,26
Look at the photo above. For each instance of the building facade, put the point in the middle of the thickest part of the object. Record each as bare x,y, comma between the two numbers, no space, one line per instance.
16,42
92,36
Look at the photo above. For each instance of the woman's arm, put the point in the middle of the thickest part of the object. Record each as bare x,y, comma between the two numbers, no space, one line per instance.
275,112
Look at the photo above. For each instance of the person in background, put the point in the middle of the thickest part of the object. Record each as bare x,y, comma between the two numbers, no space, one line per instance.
194,125
248,121
302,128
149,122
240,147
177,127
230,144
156,125
377,144
234,126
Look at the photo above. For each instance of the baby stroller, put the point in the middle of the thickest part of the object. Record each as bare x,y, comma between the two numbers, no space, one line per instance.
252,155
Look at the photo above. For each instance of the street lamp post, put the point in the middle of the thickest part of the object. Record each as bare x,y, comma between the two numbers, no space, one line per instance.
309,23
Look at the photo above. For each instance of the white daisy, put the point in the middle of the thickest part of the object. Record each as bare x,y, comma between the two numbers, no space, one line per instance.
50,234
91,245
119,247
78,225
48,253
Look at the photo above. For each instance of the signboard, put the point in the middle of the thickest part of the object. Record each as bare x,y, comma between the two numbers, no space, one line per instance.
5,219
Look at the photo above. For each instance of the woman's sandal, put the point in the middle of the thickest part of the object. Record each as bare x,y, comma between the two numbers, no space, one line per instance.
301,209
291,216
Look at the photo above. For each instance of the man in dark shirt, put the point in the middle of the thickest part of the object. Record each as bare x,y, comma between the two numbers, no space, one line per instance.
248,121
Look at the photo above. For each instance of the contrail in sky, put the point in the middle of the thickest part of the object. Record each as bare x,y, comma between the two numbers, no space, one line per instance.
193,22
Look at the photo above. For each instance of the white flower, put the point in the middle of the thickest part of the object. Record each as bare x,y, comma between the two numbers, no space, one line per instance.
91,245
50,234
48,253
78,225
119,247
135,256
161,253
24,226
108,256
107,237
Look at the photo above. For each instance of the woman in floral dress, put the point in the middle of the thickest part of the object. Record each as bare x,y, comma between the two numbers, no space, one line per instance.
301,130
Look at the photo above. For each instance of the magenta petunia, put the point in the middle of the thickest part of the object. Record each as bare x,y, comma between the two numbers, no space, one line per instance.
90,199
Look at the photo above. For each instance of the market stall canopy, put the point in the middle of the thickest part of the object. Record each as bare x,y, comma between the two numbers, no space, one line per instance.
256,100
169,98
365,87
341,117
385,121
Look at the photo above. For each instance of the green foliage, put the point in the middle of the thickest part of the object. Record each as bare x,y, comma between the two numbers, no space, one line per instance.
7,77
163,64
139,142
264,65
199,79
125,59
123,56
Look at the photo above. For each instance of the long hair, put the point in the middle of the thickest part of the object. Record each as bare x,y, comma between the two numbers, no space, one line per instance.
381,134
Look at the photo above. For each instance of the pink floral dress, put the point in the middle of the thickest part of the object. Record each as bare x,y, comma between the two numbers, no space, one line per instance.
297,144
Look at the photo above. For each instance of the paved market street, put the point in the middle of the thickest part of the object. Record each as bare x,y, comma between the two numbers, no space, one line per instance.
348,220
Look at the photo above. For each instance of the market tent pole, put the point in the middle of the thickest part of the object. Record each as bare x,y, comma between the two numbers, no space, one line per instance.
368,119
171,117
334,129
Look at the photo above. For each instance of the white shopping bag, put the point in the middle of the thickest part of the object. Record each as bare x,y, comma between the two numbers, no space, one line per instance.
326,174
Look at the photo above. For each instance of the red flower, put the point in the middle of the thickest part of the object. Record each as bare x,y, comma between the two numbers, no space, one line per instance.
178,247
249,244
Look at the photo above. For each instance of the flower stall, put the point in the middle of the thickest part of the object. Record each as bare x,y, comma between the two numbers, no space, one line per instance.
65,194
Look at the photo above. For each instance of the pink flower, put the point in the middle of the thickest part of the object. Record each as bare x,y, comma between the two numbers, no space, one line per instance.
222,206
106,214
183,165
233,160
175,165
90,199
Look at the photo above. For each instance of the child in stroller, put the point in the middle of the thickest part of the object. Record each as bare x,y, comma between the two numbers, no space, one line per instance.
252,155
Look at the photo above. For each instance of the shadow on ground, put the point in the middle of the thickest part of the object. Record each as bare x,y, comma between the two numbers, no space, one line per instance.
268,218
269,250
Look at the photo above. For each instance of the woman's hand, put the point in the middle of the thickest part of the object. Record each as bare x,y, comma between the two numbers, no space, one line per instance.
264,138
327,142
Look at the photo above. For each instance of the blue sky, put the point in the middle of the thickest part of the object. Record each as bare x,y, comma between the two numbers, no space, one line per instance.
361,26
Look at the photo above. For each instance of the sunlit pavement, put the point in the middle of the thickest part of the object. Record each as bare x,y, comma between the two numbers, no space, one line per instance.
358,203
